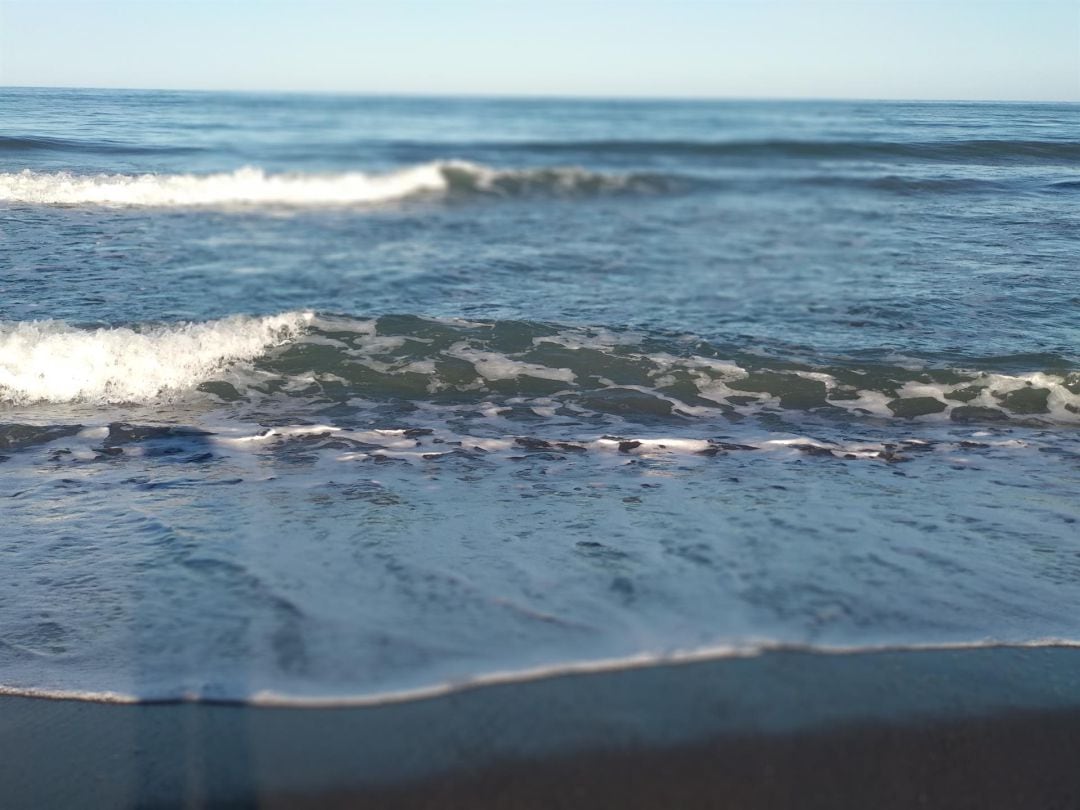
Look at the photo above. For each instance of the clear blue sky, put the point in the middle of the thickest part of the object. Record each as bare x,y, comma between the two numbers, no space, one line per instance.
932,49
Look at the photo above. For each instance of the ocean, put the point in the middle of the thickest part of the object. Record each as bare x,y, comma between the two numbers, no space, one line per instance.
333,399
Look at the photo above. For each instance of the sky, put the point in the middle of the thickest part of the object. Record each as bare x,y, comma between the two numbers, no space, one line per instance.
882,49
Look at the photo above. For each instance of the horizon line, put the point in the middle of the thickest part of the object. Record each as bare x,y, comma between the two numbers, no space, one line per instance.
543,96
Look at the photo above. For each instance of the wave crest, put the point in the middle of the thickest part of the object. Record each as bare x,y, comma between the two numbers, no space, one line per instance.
254,186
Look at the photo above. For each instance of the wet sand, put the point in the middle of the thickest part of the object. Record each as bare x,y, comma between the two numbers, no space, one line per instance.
979,728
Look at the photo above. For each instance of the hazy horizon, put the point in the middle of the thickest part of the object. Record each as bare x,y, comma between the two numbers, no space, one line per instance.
509,96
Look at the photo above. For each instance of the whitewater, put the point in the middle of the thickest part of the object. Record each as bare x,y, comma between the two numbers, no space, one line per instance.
254,186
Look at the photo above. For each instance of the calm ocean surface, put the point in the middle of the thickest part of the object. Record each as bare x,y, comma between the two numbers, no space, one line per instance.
317,397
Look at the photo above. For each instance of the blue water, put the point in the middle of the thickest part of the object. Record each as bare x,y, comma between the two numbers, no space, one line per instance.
332,396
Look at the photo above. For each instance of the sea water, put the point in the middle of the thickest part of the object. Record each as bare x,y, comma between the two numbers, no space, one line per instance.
332,398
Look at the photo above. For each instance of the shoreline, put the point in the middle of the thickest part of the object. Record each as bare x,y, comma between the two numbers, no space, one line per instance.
509,677
979,727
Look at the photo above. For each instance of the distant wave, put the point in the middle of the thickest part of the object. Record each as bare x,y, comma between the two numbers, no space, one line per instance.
897,184
26,143
496,366
254,186
958,151
949,151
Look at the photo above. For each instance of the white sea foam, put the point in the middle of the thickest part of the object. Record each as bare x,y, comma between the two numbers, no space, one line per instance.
254,186
497,366
246,185
438,440
50,361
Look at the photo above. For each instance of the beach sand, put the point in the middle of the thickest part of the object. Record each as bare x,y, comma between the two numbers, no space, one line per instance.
978,728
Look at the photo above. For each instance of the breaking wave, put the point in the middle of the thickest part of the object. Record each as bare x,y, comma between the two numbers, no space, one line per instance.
531,369
50,361
254,186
